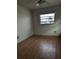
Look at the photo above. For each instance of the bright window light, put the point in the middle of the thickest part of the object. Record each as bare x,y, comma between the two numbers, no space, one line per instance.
47,18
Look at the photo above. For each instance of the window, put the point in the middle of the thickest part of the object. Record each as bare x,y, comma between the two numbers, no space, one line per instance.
47,18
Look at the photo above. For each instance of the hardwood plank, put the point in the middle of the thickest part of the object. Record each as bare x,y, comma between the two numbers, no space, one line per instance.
39,47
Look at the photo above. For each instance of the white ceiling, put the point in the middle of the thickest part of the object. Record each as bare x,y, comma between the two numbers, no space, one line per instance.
32,3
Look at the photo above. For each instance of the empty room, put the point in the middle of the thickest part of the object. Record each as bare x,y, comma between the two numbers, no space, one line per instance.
38,29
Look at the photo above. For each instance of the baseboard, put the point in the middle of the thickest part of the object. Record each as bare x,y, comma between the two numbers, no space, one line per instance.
24,39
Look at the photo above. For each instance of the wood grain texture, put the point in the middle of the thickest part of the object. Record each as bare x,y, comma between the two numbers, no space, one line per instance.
39,47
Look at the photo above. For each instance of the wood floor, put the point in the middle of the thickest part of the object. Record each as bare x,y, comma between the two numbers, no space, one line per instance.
40,47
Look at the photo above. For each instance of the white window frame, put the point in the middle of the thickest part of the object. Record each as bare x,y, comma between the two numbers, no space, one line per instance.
47,18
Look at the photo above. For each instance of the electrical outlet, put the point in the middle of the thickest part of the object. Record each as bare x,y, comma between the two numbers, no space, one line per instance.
17,37
54,31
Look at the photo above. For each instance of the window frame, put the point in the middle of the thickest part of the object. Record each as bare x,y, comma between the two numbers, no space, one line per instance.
48,21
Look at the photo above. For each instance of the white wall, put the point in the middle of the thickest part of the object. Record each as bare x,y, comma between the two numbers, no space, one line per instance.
47,29
24,24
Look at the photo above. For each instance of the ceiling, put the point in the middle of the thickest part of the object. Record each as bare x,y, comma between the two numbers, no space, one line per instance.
32,3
